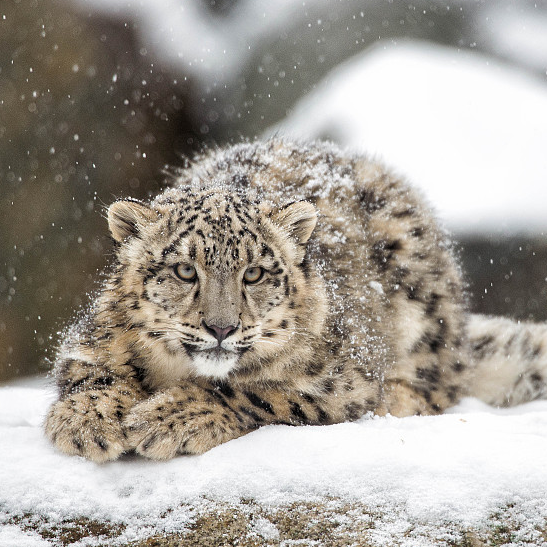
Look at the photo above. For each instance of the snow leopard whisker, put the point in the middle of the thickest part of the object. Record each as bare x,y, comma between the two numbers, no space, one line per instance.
271,342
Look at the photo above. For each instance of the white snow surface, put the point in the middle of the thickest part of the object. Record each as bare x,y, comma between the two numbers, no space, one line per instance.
456,469
471,132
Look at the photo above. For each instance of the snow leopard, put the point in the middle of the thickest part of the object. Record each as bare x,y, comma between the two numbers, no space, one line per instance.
277,282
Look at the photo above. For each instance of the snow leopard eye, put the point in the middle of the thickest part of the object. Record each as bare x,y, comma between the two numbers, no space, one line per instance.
253,275
185,272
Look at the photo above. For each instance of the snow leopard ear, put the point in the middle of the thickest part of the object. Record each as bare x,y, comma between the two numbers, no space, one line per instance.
127,217
298,219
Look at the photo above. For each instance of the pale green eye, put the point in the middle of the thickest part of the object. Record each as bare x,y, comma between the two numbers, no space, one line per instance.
253,275
185,272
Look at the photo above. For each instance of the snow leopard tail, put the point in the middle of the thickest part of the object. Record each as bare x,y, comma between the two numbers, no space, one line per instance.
509,360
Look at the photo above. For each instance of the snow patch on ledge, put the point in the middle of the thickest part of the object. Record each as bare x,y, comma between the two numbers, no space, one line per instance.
458,468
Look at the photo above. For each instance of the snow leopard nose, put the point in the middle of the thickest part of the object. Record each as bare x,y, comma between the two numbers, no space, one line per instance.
220,333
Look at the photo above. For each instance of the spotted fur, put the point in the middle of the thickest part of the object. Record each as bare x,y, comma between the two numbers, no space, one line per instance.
276,283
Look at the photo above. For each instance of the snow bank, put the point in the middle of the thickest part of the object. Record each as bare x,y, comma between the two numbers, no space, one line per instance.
471,132
457,468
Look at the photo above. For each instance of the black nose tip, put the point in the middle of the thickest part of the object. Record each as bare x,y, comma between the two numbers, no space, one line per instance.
220,333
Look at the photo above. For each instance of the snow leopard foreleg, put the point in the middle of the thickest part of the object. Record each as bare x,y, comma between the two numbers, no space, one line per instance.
87,418
192,418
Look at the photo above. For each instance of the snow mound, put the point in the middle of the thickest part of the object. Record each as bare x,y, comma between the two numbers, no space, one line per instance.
458,468
470,131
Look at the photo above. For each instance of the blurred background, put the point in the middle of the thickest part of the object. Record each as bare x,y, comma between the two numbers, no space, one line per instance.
97,97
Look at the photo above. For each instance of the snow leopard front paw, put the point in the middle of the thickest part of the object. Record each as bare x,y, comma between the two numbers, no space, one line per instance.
173,423
87,424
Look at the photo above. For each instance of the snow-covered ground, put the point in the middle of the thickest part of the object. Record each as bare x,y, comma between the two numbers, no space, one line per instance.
419,472
470,131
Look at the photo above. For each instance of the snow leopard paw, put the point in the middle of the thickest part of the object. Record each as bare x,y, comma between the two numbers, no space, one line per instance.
86,424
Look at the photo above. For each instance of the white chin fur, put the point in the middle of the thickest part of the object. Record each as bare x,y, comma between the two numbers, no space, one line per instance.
213,366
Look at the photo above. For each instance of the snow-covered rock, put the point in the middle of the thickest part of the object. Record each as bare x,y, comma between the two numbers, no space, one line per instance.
470,131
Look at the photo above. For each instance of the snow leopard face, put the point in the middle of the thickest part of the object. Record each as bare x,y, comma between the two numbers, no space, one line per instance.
213,280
